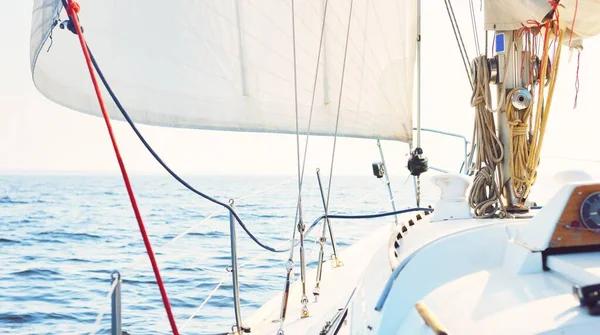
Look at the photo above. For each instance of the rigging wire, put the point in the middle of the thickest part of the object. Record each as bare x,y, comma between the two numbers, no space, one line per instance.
314,90
339,106
451,13
474,27
298,222
459,41
296,112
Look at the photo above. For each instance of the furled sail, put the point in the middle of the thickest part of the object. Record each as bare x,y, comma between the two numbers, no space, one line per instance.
228,64
579,15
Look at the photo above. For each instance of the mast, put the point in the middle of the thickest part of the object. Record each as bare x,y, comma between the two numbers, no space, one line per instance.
417,163
508,63
418,73
524,68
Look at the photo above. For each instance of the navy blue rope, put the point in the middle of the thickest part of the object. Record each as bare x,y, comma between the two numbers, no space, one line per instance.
367,216
166,167
213,200
205,196
161,162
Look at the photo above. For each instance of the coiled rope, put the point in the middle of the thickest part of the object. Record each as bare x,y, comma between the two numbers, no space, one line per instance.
487,188
526,144
519,121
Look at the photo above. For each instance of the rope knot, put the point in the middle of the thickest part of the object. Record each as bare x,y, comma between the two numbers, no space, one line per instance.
530,26
518,127
555,4
73,8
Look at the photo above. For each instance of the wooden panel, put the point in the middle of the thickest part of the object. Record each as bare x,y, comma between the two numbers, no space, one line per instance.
570,230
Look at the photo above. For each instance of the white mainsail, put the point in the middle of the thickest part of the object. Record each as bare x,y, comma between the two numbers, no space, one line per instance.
228,65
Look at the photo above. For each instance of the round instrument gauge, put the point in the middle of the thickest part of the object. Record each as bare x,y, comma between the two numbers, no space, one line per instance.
590,212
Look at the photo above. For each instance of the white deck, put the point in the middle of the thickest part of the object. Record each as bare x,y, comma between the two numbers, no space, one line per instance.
583,269
477,276
495,302
468,280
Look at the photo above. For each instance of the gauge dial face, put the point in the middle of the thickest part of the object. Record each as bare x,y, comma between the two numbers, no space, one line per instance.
590,212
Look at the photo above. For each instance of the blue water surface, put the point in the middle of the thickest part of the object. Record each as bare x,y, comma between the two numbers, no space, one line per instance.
61,237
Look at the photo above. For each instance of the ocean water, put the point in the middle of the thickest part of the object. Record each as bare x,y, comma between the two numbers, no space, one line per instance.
62,236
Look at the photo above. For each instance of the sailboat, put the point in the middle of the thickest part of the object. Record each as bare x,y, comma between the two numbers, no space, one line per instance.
484,259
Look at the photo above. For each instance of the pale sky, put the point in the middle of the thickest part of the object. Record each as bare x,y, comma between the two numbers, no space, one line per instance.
37,135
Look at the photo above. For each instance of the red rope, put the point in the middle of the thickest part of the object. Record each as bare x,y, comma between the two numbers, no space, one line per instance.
529,31
578,55
573,23
555,4
73,9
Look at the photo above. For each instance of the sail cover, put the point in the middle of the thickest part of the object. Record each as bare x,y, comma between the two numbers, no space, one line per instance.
579,15
229,64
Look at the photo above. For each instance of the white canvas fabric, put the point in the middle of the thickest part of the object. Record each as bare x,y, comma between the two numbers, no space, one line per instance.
228,64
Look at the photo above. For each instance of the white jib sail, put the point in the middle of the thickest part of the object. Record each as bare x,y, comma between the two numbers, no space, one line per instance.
228,64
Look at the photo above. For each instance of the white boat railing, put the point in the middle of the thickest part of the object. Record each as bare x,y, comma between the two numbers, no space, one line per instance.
466,162
114,293
116,321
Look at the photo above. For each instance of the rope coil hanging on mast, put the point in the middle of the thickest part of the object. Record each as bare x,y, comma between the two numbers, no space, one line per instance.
528,129
485,193
527,109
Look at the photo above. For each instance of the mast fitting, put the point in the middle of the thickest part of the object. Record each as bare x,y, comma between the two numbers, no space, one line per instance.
417,163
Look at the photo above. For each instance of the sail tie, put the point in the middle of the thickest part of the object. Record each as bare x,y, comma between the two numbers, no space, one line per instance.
555,4
73,9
